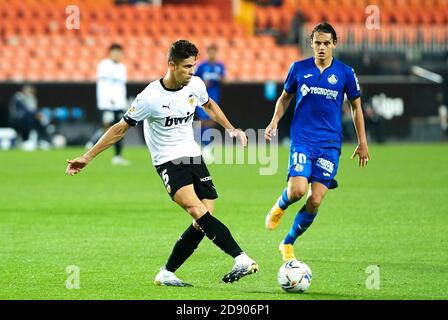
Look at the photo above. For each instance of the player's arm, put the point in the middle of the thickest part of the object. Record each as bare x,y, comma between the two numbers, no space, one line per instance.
362,149
280,108
111,136
215,112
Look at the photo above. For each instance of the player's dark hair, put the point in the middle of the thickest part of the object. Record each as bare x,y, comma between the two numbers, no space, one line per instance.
115,46
324,27
181,50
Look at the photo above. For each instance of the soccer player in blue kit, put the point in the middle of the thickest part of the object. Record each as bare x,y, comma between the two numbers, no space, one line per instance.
319,84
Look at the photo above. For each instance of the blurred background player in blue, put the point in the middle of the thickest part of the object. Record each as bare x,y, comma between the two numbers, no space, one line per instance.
212,72
319,84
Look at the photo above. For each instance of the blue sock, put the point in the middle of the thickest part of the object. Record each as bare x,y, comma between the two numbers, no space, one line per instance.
301,222
284,201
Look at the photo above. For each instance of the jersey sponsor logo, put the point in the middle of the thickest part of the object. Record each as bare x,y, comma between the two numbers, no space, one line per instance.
332,79
330,94
304,89
308,75
168,107
170,121
325,164
325,174
205,179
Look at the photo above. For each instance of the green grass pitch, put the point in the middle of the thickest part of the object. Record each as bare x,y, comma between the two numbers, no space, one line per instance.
118,225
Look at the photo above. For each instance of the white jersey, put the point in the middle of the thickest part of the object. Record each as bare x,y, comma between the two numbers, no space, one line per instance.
111,85
168,119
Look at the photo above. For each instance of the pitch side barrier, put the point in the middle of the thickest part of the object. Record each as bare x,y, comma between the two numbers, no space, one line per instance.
398,100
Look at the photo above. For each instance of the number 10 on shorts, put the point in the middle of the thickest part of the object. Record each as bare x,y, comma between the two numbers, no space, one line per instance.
298,158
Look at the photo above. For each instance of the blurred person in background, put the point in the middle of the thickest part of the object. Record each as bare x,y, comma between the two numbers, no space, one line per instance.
212,72
297,23
443,113
374,123
26,118
111,97
348,132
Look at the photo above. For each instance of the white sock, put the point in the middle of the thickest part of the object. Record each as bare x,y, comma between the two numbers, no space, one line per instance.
242,258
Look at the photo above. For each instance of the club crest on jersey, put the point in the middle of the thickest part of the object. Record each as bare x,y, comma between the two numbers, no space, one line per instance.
191,99
332,79
131,109
298,168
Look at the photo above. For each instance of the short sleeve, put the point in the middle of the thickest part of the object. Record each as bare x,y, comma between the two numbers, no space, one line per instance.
139,110
291,80
352,88
202,92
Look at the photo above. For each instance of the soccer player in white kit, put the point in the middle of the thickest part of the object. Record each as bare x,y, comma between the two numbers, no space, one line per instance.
167,108
111,96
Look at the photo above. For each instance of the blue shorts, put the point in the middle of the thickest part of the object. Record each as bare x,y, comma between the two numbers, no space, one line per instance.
314,163
201,114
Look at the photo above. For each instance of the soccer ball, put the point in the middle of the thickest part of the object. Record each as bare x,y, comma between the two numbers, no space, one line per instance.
294,276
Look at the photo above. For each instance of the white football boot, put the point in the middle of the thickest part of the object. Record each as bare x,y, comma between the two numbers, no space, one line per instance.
243,267
168,278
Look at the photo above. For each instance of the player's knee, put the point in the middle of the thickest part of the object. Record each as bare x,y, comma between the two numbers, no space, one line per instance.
196,226
196,210
314,202
296,192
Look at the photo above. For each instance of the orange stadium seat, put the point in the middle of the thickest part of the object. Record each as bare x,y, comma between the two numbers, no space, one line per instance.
54,52
262,19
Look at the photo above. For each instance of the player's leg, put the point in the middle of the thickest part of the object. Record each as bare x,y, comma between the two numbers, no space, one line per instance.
324,169
118,146
107,118
188,242
175,175
297,187
299,171
182,250
217,232
303,220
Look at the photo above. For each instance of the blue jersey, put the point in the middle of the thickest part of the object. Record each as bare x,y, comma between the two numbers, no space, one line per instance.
319,98
211,73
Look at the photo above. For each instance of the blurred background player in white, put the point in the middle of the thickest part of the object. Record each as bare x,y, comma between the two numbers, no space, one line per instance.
212,72
111,96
